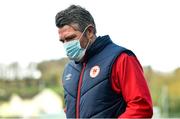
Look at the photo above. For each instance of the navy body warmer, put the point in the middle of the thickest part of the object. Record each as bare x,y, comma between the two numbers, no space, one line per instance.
96,96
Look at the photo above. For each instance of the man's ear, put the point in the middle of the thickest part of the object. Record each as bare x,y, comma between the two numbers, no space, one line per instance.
90,32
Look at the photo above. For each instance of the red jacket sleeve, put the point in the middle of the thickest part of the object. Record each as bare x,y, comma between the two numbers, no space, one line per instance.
128,79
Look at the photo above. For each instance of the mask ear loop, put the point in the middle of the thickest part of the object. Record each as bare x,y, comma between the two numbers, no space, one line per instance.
87,45
89,40
83,34
85,30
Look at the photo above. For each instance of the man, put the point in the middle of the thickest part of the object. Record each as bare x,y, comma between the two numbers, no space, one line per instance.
102,79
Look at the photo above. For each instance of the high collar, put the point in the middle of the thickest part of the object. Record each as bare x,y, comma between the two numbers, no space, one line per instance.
98,45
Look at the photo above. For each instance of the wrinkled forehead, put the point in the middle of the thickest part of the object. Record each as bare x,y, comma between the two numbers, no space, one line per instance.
67,29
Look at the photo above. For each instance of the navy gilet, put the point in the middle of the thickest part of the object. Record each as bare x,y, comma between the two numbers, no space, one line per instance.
97,98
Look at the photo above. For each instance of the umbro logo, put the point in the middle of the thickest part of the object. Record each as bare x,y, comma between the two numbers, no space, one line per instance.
68,76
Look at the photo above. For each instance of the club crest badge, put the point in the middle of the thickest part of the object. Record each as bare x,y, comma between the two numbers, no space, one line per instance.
94,72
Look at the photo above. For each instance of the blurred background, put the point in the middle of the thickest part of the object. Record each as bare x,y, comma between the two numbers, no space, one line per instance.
32,59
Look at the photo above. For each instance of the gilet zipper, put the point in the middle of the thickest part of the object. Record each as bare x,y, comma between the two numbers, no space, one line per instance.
79,92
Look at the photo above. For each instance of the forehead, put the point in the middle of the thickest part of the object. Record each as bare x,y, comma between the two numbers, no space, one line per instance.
66,30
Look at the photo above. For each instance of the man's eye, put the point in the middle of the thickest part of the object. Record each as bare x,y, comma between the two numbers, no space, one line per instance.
61,40
68,39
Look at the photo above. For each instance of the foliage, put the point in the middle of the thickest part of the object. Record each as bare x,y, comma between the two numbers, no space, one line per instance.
157,81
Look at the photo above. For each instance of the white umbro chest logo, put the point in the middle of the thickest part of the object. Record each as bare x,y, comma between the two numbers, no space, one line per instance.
94,72
68,76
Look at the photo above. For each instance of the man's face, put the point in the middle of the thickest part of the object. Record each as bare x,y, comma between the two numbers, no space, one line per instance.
68,33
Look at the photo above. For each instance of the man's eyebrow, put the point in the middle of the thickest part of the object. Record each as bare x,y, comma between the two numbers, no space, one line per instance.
68,37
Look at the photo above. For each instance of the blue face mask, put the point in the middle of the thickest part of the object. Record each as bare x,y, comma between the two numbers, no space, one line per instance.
74,50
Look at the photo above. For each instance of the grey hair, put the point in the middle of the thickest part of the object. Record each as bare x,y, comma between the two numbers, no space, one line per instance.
75,15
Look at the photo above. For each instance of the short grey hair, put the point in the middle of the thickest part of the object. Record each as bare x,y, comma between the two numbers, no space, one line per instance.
75,14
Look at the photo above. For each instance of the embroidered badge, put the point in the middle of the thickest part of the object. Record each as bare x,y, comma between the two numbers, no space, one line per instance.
94,71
